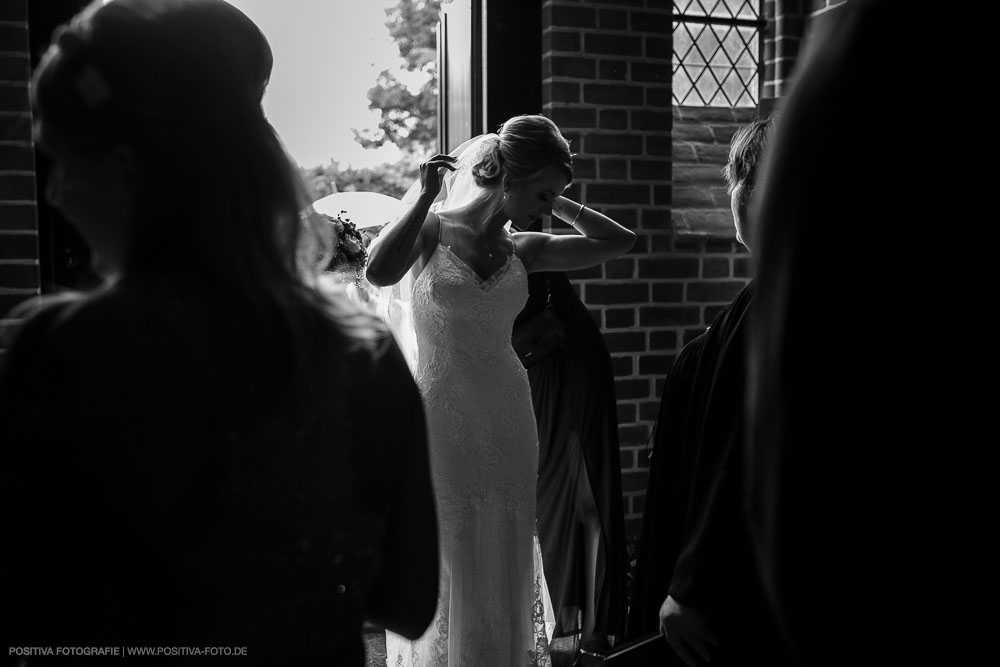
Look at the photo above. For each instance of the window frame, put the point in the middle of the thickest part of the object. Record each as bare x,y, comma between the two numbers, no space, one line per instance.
760,24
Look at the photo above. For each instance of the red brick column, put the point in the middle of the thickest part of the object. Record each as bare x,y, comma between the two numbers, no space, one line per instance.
782,40
606,81
789,24
19,271
816,11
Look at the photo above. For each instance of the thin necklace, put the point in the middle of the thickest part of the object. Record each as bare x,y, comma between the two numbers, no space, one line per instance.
489,250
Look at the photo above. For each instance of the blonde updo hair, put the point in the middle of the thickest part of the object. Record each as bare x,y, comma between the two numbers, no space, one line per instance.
524,147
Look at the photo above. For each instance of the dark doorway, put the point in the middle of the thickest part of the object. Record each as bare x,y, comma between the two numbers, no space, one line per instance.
513,60
490,64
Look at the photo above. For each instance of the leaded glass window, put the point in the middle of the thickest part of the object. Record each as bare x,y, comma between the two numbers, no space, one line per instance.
716,61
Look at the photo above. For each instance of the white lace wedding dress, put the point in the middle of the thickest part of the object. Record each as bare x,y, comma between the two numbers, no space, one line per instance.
493,609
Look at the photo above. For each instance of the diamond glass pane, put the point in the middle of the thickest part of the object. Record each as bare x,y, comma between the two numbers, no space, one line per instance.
732,41
683,6
746,99
707,43
733,86
747,59
719,59
725,9
716,62
717,8
745,9
707,85
682,88
682,41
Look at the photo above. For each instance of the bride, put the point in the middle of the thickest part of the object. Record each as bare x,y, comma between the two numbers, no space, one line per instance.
469,282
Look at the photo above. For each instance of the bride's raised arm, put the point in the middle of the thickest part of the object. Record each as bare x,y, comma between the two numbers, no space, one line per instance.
399,245
600,239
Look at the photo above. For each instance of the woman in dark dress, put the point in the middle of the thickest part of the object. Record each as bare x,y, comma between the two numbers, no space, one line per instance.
580,516
189,459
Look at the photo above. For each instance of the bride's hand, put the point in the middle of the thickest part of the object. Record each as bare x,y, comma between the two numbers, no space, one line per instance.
566,209
430,173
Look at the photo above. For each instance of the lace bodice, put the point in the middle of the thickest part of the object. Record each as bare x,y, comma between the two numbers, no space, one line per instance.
464,316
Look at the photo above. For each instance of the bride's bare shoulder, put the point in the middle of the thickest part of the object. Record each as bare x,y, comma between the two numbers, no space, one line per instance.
430,234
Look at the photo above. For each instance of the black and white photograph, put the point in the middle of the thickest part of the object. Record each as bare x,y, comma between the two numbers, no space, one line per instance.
494,333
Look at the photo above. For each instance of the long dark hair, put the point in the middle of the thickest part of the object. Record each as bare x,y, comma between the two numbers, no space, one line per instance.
180,83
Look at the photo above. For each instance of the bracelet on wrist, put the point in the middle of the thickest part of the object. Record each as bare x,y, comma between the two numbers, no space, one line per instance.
579,212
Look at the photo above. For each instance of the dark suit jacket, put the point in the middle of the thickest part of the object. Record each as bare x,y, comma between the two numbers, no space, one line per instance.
696,539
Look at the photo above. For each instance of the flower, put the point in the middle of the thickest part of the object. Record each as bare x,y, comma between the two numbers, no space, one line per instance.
351,246
349,253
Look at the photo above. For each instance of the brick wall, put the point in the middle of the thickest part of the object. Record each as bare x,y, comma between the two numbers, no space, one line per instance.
19,270
606,82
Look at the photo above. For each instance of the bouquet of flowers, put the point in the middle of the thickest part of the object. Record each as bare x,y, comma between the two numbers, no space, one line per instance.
349,252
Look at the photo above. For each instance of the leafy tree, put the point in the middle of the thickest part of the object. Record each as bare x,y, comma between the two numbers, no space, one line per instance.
408,119
391,178
412,24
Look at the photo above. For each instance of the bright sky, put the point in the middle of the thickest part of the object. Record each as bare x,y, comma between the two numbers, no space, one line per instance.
327,54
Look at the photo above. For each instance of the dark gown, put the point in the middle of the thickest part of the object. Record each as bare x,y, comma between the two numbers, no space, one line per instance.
573,394
694,544
152,496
